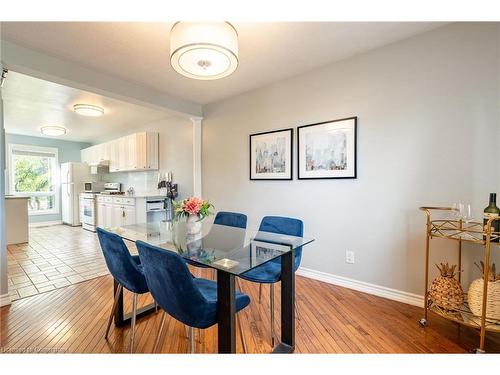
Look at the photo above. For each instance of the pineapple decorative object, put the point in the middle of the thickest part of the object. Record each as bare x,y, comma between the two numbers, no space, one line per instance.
445,290
475,294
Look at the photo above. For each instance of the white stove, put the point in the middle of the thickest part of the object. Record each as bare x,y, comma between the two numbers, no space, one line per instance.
88,211
88,204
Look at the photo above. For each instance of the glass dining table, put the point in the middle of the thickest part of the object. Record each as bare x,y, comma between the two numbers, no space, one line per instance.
231,252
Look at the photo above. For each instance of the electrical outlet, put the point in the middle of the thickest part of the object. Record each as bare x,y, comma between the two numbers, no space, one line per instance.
349,257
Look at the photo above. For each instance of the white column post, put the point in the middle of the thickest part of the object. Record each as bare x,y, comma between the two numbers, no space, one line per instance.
4,287
197,145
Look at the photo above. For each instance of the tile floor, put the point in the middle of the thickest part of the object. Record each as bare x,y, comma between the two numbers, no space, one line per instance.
56,256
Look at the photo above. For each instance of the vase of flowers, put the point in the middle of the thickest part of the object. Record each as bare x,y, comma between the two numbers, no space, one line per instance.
195,210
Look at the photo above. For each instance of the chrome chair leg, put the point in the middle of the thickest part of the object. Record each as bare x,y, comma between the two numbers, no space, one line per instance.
160,331
260,292
113,309
272,314
156,307
238,320
132,325
191,340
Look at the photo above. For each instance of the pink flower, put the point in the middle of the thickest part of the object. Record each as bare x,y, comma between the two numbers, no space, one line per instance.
192,205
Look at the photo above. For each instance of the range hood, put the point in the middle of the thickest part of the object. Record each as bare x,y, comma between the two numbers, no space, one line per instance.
101,166
100,163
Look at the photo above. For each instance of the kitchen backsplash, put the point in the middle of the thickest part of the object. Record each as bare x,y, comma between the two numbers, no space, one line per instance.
144,183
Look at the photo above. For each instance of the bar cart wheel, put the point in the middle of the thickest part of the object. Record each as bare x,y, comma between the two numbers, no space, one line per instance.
423,322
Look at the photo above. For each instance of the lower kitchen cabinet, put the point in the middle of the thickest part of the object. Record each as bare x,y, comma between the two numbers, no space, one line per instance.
115,211
100,213
108,215
129,215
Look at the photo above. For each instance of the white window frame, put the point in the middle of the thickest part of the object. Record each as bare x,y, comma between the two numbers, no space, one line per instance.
43,150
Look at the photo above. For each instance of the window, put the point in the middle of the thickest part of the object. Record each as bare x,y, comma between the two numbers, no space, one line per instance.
33,172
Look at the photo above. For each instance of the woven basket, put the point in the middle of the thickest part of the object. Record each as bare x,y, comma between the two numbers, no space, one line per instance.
475,297
447,293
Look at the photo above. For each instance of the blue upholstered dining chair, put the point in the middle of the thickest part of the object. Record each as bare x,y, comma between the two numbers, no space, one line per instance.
126,270
190,300
270,272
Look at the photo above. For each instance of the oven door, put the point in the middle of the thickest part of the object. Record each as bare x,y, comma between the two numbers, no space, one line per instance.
88,210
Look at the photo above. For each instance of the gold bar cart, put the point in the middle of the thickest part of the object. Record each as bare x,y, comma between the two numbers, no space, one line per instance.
461,231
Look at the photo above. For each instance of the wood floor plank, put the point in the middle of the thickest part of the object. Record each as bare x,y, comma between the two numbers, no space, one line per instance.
333,319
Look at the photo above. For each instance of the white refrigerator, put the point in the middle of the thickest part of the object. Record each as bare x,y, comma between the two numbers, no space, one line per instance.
73,177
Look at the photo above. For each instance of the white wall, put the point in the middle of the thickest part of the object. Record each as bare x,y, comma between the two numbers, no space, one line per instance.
428,134
176,156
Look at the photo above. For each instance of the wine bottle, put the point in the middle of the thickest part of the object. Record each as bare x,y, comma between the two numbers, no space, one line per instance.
492,211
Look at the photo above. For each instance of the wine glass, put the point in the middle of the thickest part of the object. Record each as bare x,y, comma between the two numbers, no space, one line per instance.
461,211
467,213
455,211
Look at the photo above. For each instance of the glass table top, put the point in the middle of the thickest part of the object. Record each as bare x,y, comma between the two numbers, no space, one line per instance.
230,249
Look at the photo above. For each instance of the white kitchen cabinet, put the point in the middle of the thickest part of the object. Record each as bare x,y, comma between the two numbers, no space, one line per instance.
135,152
115,211
123,210
128,215
108,215
152,151
16,227
131,156
85,155
114,160
105,215
105,151
100,212
94,154
117,219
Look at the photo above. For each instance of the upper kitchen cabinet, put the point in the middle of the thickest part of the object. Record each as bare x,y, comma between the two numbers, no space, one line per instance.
134,152
91,155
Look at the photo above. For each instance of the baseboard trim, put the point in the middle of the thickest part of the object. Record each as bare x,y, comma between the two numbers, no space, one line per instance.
45,223
361,286
5,300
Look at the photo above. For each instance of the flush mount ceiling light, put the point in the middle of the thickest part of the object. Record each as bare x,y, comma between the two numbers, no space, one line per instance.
53,131
88,110
204,51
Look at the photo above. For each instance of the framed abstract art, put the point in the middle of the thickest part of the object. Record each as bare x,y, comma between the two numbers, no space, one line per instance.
271,155
327,149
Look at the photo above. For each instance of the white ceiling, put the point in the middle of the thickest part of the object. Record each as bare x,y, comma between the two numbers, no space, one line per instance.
30,103
268,52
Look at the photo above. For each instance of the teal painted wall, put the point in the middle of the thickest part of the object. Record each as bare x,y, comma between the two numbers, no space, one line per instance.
67,151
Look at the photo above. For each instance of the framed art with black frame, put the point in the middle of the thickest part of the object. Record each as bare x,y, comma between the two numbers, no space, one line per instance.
271,155
327,149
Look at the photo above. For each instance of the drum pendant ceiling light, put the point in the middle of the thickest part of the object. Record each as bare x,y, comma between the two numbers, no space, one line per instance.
204,51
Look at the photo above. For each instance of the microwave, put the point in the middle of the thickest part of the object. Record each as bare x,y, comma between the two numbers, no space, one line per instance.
93,187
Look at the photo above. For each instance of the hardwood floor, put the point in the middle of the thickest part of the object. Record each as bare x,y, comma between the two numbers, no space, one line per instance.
331,320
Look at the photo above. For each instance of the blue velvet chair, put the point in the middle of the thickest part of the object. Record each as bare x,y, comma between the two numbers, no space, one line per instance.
231,219
270,272
126,270
190,300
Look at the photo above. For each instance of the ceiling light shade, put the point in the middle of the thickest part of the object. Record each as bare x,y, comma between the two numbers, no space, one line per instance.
88,110
53,131
204,51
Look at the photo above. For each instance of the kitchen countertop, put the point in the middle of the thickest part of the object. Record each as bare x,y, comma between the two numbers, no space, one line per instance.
153,195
